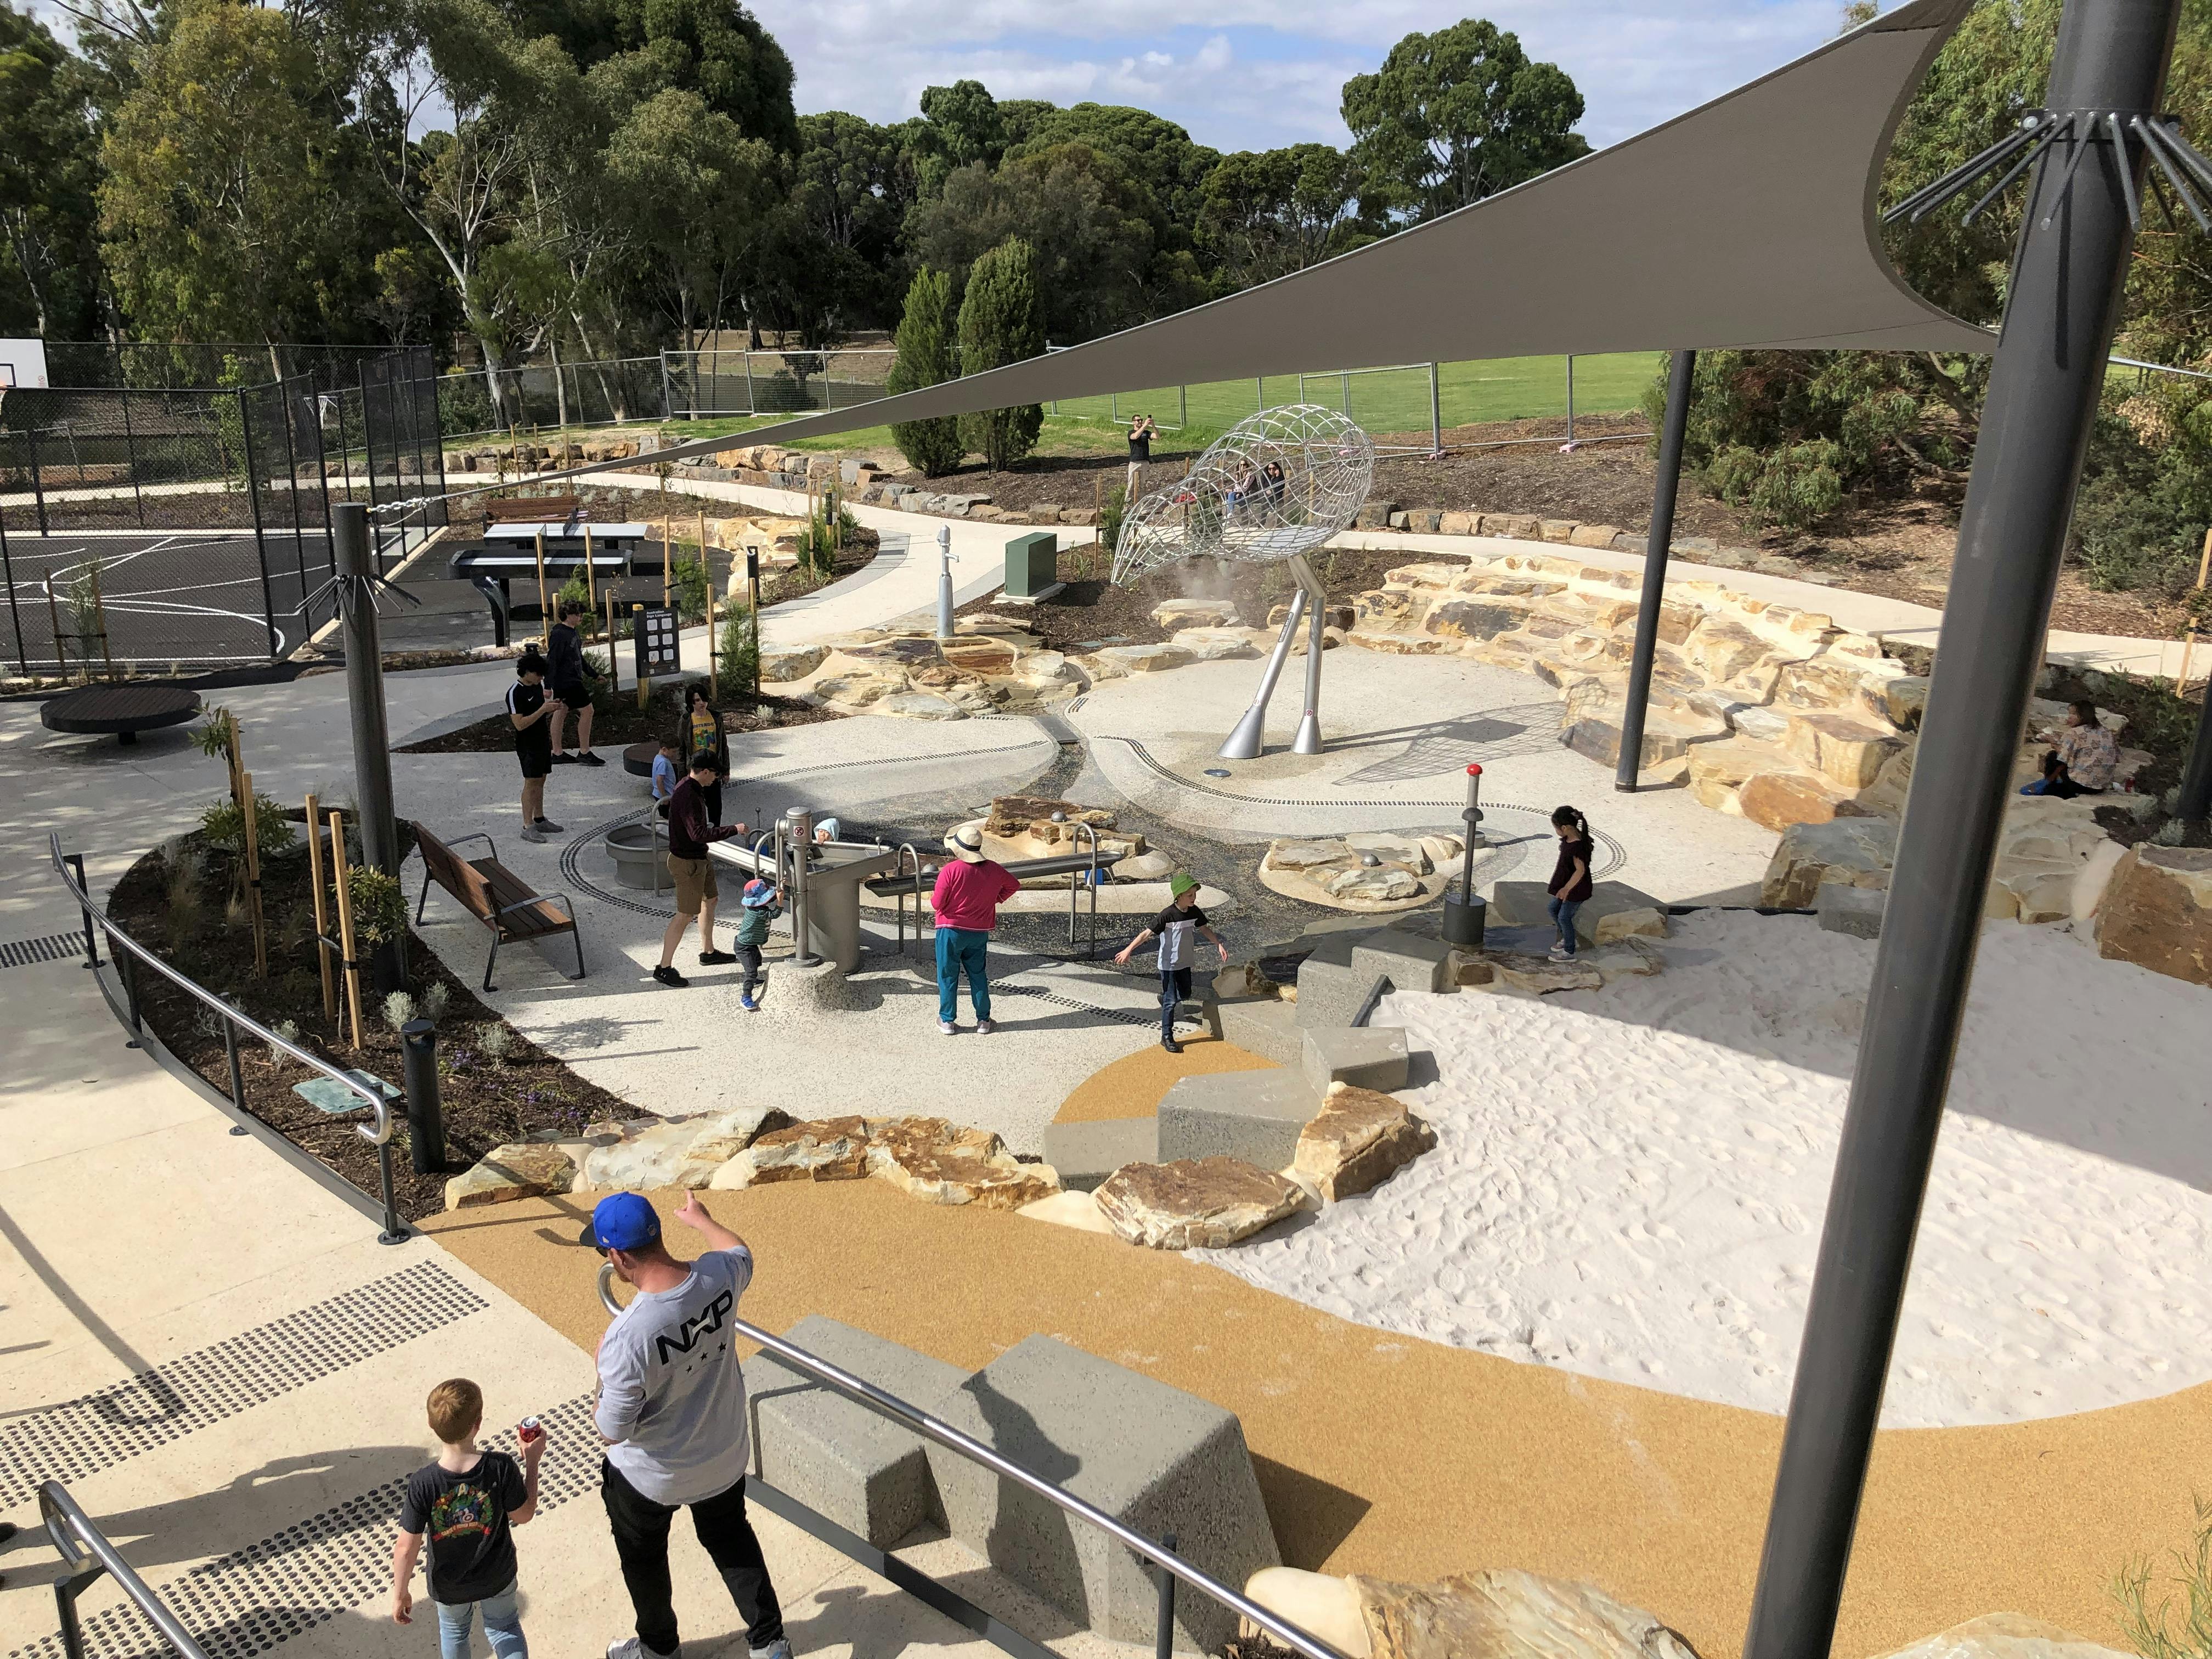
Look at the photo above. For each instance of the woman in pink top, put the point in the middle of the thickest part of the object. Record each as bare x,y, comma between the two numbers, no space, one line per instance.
966,899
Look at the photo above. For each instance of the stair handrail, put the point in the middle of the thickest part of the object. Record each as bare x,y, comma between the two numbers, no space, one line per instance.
69,1527
862,1392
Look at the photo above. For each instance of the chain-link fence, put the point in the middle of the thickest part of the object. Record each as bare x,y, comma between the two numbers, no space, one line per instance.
143,366
146,528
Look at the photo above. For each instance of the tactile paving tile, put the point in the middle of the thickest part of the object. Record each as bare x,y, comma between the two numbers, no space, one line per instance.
73,1438
284,1585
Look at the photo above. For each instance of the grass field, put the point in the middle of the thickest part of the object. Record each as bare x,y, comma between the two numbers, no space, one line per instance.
1381,400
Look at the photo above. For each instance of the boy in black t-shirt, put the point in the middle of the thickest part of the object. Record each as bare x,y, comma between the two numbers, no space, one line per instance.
529,710
465,1504
1174,927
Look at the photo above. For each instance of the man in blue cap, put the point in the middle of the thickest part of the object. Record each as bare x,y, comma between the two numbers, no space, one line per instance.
672,1408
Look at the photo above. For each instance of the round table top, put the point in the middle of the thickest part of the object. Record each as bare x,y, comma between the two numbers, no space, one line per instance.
638,758
116,708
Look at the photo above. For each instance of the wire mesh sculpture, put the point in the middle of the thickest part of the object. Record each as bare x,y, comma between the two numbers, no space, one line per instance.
1271,489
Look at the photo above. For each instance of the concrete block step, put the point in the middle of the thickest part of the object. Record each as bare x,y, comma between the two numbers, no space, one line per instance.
1364,1056
1086,1153
1253,1116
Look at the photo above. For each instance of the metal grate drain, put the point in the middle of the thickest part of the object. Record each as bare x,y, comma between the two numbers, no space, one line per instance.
54,947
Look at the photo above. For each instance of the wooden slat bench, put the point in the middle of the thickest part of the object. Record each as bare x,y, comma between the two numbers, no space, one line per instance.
495,895
532,509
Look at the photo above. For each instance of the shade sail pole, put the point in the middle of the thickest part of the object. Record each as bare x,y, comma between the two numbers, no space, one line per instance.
2064,301
1664,488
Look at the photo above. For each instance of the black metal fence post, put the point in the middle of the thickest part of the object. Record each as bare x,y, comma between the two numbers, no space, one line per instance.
2062,306
253,500
75,862
1680,378
395,1230
1164,1631
131,995
426,1121
14,614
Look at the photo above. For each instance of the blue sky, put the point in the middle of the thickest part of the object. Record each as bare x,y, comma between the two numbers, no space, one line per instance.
1255,74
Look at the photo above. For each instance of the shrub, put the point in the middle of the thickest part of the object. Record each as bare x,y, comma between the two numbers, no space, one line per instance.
2150,1631
1793,488
926,357
380,905
1112,508
435,1001
398,1009
741,648
688,581
289,1031
1002,322
211,737
496,1041
224,826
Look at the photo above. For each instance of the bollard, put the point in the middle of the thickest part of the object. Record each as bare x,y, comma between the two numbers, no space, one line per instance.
1464,915
944,581
426,1122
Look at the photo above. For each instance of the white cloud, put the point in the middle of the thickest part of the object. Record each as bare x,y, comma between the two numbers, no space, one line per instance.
1251,74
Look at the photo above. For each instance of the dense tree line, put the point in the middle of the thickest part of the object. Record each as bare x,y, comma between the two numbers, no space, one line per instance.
556,179
1792,437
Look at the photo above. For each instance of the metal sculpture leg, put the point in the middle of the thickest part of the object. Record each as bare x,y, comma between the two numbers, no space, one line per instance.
1249,740
1307,742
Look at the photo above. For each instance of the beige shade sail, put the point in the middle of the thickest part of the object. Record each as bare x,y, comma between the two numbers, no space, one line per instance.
1748,222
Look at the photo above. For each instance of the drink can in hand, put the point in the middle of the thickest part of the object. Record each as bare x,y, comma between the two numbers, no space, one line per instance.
530,1430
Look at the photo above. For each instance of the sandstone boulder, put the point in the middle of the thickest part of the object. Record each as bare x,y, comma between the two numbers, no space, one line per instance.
1646,922
507,1173
676,1152
1592,535
2157,912
1173,614
918,706
1524,970
1849,753
1359,1139
1142,658
830,1149
1200,1203
2007,1635
1854,852
795,663
1522,526
1217,644
1779,799
1508,1613
942,1163
1375,885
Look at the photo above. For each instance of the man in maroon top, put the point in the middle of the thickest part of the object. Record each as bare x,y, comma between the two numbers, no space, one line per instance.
966,899
689,831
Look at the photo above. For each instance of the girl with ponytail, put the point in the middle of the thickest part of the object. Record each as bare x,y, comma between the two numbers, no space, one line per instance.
1571,881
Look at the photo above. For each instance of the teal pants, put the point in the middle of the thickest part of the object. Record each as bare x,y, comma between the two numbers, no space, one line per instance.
958,948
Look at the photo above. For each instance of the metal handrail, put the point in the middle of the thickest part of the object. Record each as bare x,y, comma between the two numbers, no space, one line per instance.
67,1525
884,1404
1085,829
378,1135
907,850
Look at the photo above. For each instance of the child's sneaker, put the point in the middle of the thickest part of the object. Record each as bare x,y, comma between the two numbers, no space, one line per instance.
630,1648
533,833
779,1649
547,826
670,976
748,1003
985,1027
946,1027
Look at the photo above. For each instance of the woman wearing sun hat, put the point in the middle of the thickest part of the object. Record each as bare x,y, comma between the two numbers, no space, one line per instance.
966,899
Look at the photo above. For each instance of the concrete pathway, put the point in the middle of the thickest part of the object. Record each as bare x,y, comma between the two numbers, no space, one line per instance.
206,1344
1401,732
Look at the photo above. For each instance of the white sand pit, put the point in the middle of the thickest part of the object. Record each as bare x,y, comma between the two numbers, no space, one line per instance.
1629,1183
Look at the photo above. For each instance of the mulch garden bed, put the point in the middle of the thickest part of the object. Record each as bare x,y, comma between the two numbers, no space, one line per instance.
619,723
1090,611
496,1084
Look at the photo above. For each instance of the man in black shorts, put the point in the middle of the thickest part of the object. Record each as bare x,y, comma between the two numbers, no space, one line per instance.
530,711
565,671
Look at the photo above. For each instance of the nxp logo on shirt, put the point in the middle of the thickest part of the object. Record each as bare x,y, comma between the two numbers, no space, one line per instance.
699,1325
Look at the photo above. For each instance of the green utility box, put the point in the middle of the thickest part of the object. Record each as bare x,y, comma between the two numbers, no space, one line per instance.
1032,565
